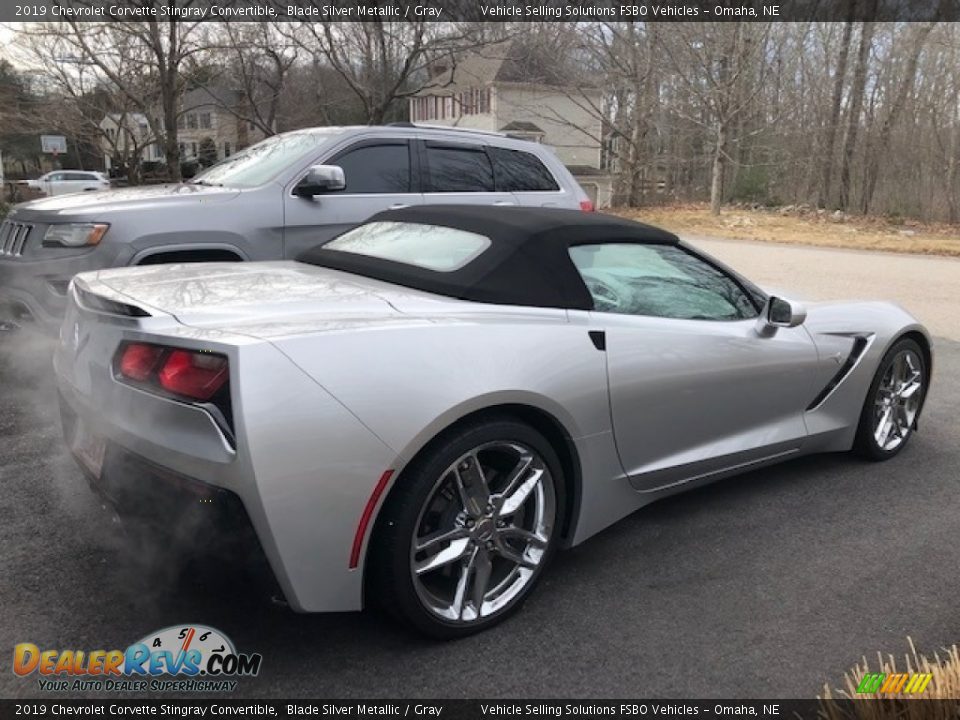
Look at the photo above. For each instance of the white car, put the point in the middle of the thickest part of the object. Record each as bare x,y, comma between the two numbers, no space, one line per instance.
61,182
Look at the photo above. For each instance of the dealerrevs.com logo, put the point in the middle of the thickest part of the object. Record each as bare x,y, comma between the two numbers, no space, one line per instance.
180,658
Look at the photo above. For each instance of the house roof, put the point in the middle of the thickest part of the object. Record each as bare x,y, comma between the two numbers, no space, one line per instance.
522,126
585,170
504,62
210,96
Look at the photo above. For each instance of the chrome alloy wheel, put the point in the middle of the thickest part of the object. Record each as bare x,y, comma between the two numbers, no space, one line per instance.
897,400
483,532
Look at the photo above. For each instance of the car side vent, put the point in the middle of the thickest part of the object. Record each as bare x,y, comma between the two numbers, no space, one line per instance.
859,345
98,303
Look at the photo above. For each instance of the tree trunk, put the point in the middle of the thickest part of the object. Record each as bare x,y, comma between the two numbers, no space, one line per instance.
719,165
952,202
853,117
171,146
826,172
910,74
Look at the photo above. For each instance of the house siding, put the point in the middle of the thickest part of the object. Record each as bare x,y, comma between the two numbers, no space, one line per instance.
569,125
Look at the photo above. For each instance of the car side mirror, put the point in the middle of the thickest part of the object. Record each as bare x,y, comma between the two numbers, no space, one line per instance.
321,179
779,313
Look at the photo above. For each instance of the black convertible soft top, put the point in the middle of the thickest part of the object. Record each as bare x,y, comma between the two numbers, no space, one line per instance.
527,262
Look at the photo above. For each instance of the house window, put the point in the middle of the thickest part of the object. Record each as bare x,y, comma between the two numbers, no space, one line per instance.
192,121
181,122
193,149
226,149
205,121
483,102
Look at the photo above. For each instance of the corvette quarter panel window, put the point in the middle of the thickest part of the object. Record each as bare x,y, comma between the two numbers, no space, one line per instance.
659,281
376,169
458,168
518,171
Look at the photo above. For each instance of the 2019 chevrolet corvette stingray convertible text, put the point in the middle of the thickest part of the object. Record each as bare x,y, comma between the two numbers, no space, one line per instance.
420,412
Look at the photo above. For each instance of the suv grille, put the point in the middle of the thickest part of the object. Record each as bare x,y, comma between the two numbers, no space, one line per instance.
13,237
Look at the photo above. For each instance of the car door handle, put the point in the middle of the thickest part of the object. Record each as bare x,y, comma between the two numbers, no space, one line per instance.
397,206
504,202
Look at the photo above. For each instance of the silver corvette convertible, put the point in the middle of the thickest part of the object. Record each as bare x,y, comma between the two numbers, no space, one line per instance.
423,410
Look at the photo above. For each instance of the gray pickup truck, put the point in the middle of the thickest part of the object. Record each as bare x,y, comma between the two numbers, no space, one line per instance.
268,202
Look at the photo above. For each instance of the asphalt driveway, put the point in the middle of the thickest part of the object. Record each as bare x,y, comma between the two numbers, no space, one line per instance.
767,585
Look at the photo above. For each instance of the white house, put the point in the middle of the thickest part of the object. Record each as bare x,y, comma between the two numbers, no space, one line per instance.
504,88
126,135
216,114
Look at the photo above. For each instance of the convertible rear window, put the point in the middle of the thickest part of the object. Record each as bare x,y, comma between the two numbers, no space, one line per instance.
432,247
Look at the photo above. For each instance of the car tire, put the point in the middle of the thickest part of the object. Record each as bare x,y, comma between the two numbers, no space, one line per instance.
894,400
481,552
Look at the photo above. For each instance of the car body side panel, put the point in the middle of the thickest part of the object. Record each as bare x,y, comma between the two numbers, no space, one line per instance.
456,365
459,365
832,424
312,468
669,378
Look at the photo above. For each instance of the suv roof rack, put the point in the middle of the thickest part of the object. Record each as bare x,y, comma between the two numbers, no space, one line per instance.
453,128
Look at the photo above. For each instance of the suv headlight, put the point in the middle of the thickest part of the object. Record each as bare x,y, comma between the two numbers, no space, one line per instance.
75,234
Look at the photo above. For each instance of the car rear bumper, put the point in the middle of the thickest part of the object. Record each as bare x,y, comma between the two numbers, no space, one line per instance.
175,507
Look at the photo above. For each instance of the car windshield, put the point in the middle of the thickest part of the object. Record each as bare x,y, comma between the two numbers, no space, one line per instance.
432,247
262,162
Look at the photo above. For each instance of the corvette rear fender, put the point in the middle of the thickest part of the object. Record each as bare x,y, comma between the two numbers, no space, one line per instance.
442,373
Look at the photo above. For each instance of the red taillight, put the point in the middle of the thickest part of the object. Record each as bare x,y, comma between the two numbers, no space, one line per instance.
191,374
195,375
586,205
139,360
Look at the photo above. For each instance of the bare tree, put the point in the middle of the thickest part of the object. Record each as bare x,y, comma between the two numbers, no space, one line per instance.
853,114
836,102
916,45
722,67
142,62
381,62
260,60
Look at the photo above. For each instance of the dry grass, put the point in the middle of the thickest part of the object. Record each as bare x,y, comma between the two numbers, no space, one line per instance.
945,685
804,226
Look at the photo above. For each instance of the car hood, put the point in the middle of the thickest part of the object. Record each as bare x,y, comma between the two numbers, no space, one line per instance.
132,199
